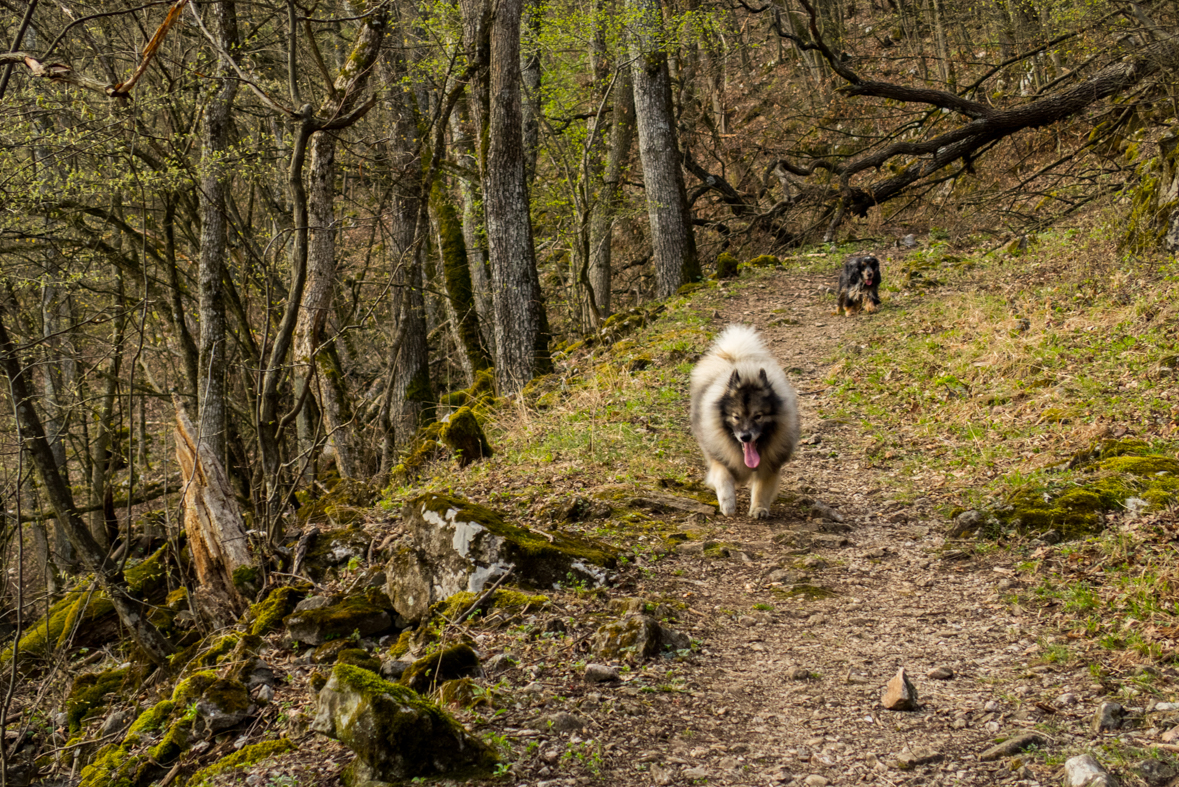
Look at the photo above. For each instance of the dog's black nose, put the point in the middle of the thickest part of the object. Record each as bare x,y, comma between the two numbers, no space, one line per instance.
745,437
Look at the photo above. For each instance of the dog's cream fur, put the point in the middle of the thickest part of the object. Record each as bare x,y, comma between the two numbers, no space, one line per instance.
741,349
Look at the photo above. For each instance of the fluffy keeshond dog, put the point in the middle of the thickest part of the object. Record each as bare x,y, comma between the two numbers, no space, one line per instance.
859,282
745,417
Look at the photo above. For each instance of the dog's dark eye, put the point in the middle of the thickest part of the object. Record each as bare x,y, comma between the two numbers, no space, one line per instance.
757,418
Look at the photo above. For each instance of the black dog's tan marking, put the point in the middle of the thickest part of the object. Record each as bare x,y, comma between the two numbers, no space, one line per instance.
858,285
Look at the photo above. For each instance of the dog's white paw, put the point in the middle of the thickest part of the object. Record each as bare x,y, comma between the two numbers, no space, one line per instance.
758,512
728,506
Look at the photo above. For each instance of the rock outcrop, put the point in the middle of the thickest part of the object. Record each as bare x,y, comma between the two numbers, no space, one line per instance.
453,546
395,733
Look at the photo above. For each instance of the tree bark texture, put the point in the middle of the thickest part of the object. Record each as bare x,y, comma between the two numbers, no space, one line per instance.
530,76
473,238
130,610
214,181
216,532
622,134
673,242
460,296
60,372
411,395
521,326
321,374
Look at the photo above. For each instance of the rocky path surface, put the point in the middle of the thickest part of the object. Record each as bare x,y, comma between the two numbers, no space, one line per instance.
805,618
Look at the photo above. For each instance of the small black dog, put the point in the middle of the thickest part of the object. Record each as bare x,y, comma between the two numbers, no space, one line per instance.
858,284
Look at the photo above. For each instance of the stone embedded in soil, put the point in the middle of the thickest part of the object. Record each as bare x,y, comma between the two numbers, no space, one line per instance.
911,758
500,662
900,694
966,522
800,673
661,774
600,673
559,722
815,780
668,504
1012,746
224,704
940,673
635,638
1109,716
698,772
1084,771
365,613
1157,773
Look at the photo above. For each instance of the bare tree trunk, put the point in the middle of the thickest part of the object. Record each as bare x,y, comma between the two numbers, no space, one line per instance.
473,238
321,262
672,239
456,272
215,145
530,75
622,134
314,369
60,372
216,532
103,525
521,325
410,397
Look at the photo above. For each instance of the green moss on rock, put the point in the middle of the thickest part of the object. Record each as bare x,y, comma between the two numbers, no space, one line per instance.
112,766
402,645
88,695
175,741
456,661
147,577
79,608
359,657
246,756
536,553
726,266
268,614
151,720
363,614
463,435
393,731
192,687
1150,465
764,261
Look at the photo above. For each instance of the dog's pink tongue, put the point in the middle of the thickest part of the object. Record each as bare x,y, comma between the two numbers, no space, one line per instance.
751,458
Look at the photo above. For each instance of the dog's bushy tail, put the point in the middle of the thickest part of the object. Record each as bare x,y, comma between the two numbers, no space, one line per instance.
738,342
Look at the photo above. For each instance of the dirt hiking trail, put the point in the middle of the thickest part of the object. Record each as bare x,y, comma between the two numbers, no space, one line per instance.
788,687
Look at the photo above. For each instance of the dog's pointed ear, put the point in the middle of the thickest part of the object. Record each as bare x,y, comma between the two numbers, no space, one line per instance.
764,378
734,379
